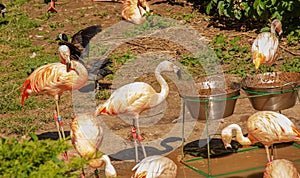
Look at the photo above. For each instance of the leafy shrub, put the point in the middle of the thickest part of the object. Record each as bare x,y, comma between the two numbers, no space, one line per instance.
36,158
255,8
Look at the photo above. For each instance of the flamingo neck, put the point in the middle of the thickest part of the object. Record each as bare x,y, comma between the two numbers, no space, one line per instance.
81,72
239,135
109,169
163,84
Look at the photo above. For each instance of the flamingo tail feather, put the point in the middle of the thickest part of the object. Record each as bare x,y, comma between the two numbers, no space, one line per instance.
25,86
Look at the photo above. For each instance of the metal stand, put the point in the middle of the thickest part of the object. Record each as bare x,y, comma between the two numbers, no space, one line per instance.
208,173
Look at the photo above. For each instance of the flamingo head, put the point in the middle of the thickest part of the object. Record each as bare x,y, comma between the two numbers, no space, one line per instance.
168,66
226,138
64,54
276,26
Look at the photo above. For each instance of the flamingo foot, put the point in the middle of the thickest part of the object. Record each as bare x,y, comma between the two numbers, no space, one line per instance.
65,156
82,175
52,7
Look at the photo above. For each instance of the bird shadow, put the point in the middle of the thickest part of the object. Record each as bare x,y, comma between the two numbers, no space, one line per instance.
91,87
129,154
51,135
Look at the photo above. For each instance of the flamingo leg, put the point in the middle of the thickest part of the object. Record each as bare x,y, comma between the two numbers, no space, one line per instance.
268,154
272,152
56,114
134,135
59,119
140,139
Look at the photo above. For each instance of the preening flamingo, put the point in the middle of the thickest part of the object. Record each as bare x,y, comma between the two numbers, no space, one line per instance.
281,168
134,10
54,79
86,136
265,46
134,98
155,166
52,7
267,127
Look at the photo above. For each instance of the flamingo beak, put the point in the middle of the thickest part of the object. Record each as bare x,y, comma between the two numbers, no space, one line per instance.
228,146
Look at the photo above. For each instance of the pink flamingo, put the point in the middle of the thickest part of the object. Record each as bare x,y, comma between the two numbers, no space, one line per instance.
86,136
267,127
265,46
54,79
155,166
281,168
134,98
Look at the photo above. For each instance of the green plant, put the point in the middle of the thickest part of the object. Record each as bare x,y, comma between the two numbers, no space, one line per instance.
234,56
121,58
291,66
36,158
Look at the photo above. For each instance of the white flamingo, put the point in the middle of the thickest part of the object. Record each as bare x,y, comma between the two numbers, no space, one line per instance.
281,168
134,98
155,166
265,46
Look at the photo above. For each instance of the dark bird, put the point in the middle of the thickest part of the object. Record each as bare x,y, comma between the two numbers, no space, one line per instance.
79,45
216,148
2,9
97,70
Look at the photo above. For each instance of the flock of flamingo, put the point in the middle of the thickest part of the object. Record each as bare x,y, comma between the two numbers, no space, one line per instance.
267,127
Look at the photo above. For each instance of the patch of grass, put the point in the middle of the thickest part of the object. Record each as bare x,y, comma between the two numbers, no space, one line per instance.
121,58
103,95
235,58
291,66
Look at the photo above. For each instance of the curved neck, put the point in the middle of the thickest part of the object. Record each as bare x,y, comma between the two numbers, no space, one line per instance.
109,169
163,84
239,135
81,72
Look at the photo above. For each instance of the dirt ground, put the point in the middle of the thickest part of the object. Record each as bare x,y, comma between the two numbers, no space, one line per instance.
84,13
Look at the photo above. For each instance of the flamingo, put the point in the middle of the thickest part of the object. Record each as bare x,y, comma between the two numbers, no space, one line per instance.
134,10
265,46
281,168
134,98
2,10
54,79
86,136
155,166
52,7
267,127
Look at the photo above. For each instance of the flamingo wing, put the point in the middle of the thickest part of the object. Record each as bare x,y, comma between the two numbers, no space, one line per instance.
155,166
271,127
133,11
87,135
265,48
51,79
132,98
